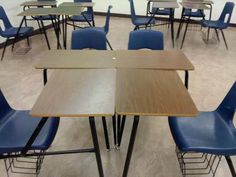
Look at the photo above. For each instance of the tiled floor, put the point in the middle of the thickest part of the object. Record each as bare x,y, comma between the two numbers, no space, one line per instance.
154,148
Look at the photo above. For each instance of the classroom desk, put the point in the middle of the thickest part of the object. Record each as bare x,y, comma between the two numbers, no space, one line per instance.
61,10
170,4
200,5
84,93
104,92
145,59
79,4
150,93
39,3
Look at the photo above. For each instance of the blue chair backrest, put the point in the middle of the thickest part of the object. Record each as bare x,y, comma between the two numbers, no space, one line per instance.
228,9
106,27
90,9
88,38
227,107
132,11
4,18
4,106
148,39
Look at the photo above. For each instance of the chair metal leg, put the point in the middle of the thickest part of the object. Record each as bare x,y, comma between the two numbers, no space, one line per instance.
208,33
131,145
4,49
17,33
73,24
109,44
217,34
105,132
118,128
96,145
224,39
45,78
231,166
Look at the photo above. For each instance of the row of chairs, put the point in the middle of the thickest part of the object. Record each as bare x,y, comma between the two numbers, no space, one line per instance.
220,24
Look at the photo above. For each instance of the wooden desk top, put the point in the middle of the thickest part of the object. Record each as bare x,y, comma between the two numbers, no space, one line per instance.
80,4
165,4
77,93
39,3
152,93
190,5
65,10
147,59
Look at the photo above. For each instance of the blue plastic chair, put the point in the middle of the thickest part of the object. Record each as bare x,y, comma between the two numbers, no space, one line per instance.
140,21
146,39
105,28
88,38
89,15
9,31
221,23
210,132
16,128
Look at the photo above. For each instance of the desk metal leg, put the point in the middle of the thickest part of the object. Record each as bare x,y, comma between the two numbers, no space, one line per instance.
131,145
34,135
186,78
181,23
185,31
231,166
121,130
172,27
118,129
65,40
114,129
96,145
45,77
56,30
104,122
45,34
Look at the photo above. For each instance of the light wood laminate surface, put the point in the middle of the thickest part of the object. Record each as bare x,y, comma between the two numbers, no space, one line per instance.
39,3
190,5
152,93
78,4
166,4
147,59
77,93
63,10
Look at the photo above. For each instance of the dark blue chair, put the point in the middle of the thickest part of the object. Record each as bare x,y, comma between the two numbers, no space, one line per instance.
210,132
88,16
88,38
146,39
105,28
139,22
222,22
16,128
10,32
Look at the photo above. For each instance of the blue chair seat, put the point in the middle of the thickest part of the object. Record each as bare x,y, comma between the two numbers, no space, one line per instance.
46,17
17,127
80,18
208,133
11,32
198,13
164,11
143,21
214,24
